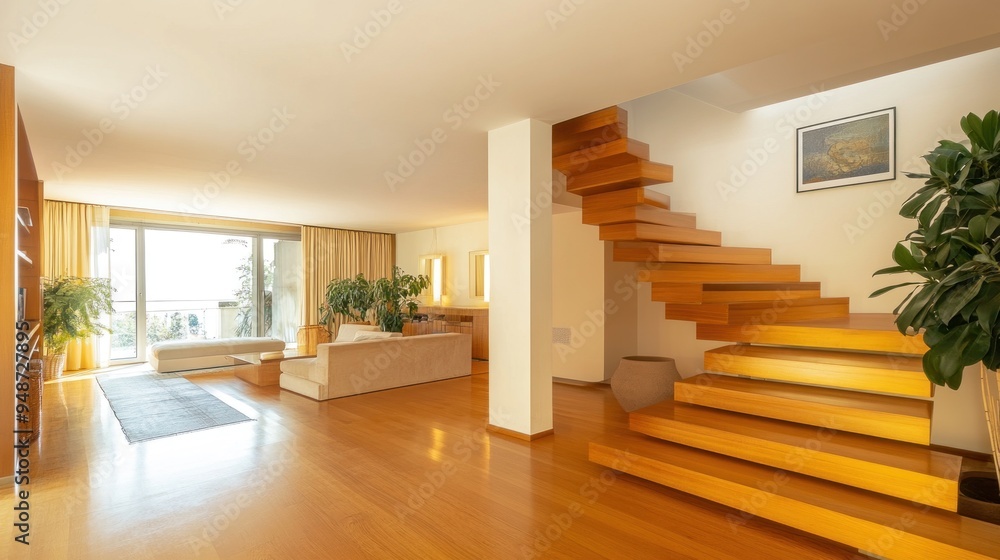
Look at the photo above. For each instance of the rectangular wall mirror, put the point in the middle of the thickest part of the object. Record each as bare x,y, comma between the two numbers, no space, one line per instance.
479,275
432,266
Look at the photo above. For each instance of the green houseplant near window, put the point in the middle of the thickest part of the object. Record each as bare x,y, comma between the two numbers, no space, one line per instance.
953,251
388,299
397,297
350,297
72,307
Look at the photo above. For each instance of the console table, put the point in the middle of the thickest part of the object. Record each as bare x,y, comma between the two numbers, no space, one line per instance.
466,320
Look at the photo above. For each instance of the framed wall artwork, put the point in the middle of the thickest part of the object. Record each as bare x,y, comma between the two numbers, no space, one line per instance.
847,151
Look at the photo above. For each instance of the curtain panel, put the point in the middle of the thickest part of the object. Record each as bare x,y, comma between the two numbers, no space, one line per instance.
77,243
328,254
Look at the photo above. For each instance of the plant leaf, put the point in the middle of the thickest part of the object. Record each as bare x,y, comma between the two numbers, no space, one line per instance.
904,258
881,291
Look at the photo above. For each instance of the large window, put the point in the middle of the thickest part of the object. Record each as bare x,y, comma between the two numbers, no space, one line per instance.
175,284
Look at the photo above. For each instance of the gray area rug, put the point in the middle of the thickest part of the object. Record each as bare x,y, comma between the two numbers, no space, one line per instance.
151,406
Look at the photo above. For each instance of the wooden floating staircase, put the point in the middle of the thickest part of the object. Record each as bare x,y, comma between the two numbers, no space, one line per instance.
809,416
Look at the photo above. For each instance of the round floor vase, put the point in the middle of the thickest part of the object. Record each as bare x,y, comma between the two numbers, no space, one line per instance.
641,381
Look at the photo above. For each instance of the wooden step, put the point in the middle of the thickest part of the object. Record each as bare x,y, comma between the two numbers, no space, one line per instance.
644,214
884,416
894,468
638,174
866,332
880,525
626,197
590,121
880,373
670,292
602,156
590,130
664,234
711,273
757,312
640,251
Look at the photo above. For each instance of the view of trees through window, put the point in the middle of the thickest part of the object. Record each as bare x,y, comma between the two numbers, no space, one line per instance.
200,285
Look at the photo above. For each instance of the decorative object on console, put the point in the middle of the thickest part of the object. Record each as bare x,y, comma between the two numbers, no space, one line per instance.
956,299
641,381
848,151
73,308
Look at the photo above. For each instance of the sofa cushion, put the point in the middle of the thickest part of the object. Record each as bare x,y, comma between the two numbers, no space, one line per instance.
173,349
347,331
374,335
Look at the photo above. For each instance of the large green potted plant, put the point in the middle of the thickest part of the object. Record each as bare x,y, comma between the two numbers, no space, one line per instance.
396,297
72,308
955,301
351,298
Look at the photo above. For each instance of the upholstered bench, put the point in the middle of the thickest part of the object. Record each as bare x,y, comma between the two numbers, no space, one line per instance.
182,355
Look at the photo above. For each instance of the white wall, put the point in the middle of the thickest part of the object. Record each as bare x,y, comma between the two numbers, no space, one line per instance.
455,243
737,173
578,298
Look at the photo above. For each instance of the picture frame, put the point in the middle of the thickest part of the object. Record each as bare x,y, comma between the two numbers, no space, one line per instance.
848,151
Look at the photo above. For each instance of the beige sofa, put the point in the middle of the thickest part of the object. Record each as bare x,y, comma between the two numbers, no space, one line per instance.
352,368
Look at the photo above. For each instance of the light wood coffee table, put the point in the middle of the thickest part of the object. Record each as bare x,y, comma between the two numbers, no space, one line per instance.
264,369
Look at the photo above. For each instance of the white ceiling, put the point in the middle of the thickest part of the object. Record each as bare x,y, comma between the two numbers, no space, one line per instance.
215,72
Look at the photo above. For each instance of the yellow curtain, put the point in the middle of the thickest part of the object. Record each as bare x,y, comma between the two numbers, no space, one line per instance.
335,253
76,245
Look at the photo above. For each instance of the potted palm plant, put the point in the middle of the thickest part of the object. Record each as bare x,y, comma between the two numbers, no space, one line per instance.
955,299
72,307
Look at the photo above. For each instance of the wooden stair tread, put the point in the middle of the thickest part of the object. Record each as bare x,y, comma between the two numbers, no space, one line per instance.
644,214
651,232
638,174
671,292
709,273
644,251
626,197
889,467
758,311
864,520
593,129
898,418
590,121
868,332
622,151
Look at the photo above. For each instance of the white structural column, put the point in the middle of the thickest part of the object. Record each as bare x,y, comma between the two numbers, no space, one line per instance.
520,225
